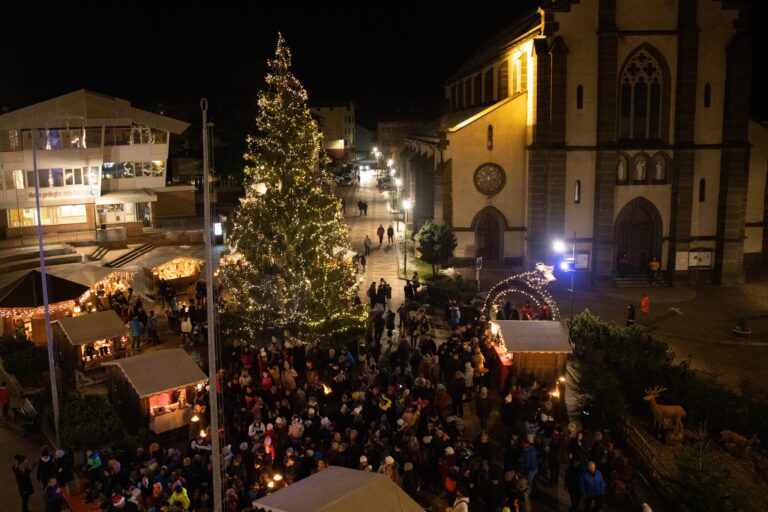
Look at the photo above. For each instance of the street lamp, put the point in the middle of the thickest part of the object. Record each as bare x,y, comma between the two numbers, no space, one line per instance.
567,265
407,205
398,184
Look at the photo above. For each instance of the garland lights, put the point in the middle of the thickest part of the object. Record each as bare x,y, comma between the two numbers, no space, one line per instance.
530,284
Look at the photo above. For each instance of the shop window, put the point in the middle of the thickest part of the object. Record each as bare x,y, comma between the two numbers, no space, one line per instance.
50,215
116,213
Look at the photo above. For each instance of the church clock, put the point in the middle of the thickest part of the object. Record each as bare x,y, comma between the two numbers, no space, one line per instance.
490,179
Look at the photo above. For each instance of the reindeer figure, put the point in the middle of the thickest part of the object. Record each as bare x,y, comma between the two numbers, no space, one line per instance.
661,413
732,439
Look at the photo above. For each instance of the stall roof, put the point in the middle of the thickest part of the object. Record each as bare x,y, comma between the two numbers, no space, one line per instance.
27,291
158,371
85,329
534,336
87,275
159,260
340,489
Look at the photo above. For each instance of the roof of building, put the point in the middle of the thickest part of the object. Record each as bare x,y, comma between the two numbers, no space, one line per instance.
27,291
85,329
497,45
86,108
534,336
160,370
455,120
340,489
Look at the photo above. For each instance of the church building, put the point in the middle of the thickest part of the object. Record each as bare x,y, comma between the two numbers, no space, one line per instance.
621,126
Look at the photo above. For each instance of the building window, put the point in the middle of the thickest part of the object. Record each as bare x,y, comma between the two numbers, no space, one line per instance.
453,100
478,89
523,72
503,80
50,215
702,190
640,108
490,136
707,95
579,97
116,213
460,93
488,87
577,192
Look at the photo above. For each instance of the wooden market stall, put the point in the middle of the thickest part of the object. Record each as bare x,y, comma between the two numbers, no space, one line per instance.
538,347
103,282
154,390
178,272
340,489
22,308
83,343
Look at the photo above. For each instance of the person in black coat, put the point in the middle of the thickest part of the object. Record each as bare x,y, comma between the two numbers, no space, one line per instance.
46,468
23,474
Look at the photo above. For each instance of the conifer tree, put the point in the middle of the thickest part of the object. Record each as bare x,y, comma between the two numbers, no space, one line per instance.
286,272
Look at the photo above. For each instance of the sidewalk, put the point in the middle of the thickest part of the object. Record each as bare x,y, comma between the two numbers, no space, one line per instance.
383,260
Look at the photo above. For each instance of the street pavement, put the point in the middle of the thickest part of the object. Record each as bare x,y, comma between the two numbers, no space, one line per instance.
384,258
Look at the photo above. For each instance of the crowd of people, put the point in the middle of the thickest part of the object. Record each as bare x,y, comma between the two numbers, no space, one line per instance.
396,405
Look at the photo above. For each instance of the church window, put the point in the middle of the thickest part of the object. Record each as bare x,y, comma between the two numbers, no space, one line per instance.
490,136
488,87
640,104
577,192
478,89
454,99
503,80
702,190
707,95
523,72
468,93
579,97
460,95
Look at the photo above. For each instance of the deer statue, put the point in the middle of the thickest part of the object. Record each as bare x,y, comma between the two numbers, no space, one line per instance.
661,413
732,439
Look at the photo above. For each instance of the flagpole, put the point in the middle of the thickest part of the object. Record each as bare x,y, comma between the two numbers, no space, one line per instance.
213,393
48,335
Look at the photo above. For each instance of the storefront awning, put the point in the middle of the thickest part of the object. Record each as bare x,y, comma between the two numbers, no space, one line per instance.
161,370
139,195
86,329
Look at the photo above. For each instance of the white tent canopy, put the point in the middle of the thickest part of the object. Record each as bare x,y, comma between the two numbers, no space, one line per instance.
161,370
85,329
340,489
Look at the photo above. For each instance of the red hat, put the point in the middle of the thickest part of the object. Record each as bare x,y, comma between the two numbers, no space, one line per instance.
118,500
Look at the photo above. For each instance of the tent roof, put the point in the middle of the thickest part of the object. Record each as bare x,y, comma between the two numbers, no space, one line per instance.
85,274
27,291
340,489
158,371
534,336
93,327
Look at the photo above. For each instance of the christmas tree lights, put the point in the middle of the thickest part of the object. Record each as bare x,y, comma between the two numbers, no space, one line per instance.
285,276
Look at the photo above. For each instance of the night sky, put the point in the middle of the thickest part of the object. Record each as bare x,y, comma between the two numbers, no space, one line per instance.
390,57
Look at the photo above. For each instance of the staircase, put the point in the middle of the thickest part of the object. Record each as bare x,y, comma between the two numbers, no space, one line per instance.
98,253
130,256
29,258
639,281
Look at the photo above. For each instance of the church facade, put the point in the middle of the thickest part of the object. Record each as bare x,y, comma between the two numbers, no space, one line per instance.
621,126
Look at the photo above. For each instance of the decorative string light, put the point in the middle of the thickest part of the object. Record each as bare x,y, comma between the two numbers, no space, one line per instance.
529,284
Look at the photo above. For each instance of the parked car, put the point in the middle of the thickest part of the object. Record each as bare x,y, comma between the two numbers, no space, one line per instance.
386,183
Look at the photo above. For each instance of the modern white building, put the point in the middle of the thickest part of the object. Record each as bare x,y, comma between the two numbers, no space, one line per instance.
100,163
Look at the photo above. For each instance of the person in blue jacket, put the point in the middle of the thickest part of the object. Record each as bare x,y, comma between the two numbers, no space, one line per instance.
592,487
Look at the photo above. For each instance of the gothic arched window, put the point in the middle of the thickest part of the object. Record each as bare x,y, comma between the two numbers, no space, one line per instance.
478,90
579,97
640,98
490,137
503,80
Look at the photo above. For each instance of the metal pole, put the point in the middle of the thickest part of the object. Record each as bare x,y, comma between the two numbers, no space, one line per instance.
405,256
573,270
48,335
213,394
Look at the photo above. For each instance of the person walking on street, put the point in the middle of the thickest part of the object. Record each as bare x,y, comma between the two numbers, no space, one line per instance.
592,488
380,234
363,261
52,496
630,315
23,474
365,208
152,336
367,245
390,234
5,398
137,329
359,208
343,206
654,266
645,308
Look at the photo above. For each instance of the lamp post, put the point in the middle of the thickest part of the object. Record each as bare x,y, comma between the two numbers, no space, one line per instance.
407,205
568,265
398,183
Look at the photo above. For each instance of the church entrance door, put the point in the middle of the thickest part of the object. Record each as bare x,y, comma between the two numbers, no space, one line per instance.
488,237
638,234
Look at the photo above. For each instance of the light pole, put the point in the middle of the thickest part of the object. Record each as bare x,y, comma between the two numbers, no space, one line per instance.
568,265
398,183
407,205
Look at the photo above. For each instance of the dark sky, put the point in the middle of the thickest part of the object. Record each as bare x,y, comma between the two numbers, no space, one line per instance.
391,57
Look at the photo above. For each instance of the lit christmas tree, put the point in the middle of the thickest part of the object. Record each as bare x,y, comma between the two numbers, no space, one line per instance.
288,271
